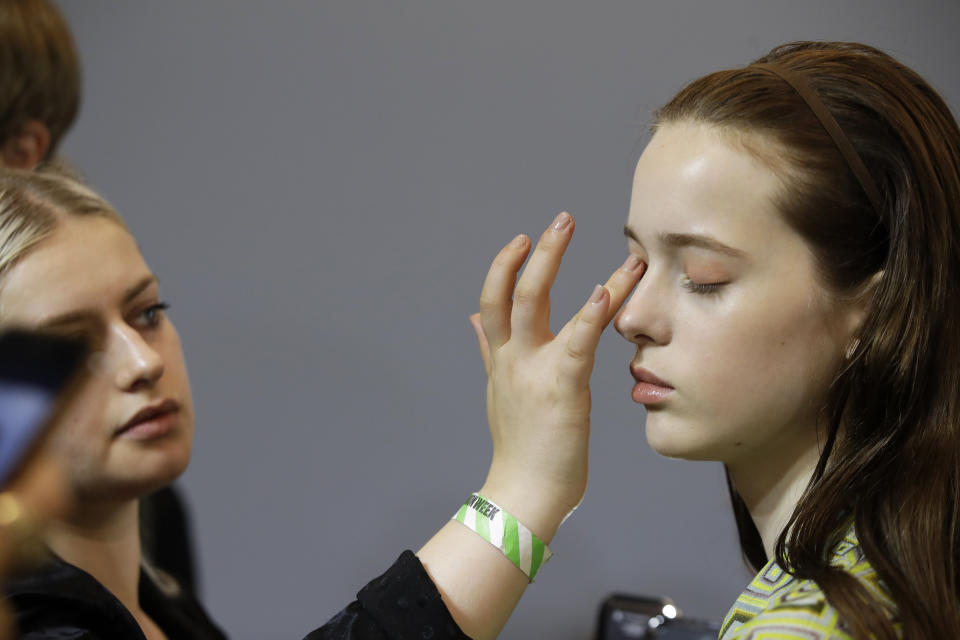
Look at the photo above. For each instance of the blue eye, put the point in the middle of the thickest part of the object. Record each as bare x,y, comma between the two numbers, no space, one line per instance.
703,288
152,315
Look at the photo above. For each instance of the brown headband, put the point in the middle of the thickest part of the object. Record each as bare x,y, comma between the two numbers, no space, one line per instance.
829,123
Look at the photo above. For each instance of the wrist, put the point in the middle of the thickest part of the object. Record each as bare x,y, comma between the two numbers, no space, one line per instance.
540,513
494,524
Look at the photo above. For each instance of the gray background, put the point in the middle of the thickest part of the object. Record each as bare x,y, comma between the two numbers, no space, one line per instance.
320,187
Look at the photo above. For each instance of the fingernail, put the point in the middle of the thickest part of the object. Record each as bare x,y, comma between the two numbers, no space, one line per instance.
632,263
597,294
561,221
518,241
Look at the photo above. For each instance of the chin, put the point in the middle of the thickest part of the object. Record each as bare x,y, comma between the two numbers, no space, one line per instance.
162,475
136,478
158,473
672,438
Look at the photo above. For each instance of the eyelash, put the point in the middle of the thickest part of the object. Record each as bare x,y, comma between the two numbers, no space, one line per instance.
154,310
702,288
699,288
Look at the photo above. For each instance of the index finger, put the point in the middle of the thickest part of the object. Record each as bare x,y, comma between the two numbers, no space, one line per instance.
619,285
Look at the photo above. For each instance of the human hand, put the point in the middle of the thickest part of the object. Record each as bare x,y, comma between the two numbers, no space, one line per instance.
538,391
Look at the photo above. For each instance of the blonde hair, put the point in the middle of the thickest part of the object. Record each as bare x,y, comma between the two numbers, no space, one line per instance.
32,206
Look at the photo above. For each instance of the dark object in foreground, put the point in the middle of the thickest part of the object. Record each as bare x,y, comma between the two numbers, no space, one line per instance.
630,617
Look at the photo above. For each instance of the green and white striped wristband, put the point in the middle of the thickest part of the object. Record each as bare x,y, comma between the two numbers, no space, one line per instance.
503,531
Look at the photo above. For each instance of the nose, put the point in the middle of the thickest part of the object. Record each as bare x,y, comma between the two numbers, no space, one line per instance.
132,361
644,318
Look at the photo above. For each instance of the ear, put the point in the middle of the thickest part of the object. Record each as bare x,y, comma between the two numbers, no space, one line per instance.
26,148
857,310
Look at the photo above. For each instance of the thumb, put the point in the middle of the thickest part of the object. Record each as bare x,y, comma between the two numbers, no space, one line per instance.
482,340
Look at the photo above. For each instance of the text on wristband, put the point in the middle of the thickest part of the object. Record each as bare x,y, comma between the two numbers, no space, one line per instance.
482,507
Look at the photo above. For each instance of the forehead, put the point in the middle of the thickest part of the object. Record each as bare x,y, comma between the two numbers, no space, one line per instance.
86,264
692,179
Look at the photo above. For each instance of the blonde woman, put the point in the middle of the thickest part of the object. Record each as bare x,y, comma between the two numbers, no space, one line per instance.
67,262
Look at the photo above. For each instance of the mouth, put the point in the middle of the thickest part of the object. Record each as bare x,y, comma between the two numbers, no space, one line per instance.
152,421
649,389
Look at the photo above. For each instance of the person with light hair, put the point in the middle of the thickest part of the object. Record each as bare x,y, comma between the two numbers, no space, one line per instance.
68,262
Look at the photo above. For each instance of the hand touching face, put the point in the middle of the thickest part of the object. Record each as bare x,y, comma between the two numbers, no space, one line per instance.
538,393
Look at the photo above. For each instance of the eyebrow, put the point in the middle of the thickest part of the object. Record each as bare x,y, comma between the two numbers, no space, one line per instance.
85,314
683,240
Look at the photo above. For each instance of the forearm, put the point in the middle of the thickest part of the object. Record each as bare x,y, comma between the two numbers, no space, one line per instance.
479,584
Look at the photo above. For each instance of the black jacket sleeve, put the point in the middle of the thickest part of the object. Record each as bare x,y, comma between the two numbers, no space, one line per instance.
61,601
401,603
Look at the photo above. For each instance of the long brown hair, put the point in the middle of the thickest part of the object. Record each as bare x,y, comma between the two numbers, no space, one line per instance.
891,453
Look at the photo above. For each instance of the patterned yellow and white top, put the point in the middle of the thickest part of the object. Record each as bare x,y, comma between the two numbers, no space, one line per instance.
778,605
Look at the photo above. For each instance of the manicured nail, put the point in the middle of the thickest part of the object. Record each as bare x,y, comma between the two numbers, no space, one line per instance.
561,221
632,264
519,241
597,294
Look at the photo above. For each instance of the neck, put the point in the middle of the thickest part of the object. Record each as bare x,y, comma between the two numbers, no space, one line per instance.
104,542
771,486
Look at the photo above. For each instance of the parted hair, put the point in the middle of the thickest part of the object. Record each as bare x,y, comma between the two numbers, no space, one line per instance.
890,458
32,205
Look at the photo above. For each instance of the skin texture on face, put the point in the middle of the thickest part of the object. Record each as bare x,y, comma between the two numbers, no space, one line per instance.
89,272
729,312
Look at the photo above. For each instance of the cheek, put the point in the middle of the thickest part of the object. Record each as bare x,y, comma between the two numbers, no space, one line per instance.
80,439
90,416
174,363
763,363
175,380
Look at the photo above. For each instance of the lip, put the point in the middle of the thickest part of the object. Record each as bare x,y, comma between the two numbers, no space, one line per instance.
649,389
152,421
643,375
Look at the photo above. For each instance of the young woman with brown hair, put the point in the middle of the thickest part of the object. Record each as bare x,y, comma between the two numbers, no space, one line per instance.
798,223
864,159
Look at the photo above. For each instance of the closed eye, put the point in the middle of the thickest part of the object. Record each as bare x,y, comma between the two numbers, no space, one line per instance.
703,288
